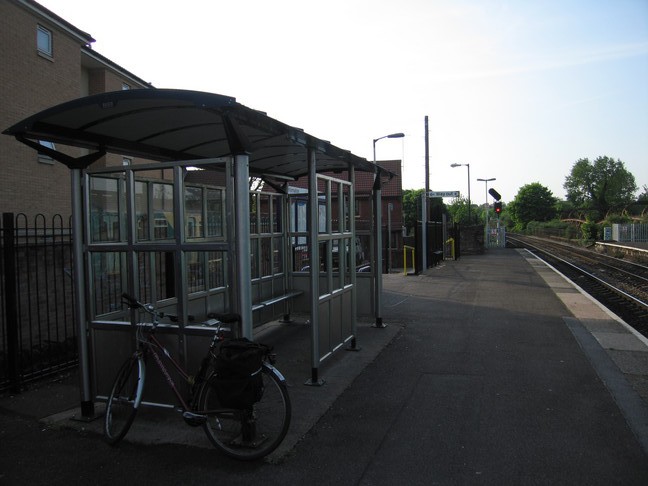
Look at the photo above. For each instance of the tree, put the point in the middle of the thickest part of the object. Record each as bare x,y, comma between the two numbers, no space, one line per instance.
533,202
458,209
600,185
412,207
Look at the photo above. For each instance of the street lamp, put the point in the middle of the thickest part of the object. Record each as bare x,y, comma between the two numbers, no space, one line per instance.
377,260
391,135
467,165
486,181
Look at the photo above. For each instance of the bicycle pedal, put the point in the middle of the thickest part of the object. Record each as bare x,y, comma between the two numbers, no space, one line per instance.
194,419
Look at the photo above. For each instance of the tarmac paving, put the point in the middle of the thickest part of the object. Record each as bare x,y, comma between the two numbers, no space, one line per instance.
493,369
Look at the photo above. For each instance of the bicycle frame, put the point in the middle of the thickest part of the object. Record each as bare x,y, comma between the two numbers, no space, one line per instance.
150,346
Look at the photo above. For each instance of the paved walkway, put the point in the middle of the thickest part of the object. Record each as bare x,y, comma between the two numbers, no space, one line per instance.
492,370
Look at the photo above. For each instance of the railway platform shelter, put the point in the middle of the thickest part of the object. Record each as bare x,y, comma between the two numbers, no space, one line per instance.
184,231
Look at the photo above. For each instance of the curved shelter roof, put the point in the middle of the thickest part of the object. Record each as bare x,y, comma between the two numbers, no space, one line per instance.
169,125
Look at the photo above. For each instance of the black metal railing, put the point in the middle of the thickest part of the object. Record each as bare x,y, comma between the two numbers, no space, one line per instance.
37,328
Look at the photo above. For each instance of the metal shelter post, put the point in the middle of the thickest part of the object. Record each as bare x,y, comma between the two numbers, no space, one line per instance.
353,346
232,277
313,243
242,238
180,259
377,263
87,404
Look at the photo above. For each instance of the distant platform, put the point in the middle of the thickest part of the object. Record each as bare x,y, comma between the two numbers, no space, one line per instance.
635,250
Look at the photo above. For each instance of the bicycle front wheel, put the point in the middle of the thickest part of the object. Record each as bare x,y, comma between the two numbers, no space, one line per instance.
253,433
123,401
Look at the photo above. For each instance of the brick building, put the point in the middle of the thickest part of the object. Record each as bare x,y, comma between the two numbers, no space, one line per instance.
45,61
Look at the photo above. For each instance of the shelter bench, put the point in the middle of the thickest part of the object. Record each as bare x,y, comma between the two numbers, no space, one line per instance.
289,295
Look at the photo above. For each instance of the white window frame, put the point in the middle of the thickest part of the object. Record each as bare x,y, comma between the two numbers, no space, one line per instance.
43,33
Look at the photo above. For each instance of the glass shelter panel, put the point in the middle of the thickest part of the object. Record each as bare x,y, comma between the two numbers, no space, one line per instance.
346,207
266,255
254,258
216,269
214,212
277,216
163,211
264,213
335,202
277,255
108,277
193,212
142,211
106,205
195,269
254,210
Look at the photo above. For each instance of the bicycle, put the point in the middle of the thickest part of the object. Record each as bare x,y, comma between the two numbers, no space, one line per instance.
247,433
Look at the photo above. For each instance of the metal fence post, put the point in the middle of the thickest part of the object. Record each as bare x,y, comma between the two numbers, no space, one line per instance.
10,299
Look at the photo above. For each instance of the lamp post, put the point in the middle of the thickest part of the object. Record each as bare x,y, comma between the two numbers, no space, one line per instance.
467,165
486,181
377,260
391,135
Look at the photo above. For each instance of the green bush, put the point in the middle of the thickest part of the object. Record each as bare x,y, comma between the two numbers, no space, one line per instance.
591,230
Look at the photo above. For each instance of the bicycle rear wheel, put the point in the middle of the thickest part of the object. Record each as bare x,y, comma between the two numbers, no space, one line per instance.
248,434
123,401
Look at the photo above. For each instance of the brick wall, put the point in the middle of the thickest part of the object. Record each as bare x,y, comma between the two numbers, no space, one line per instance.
30,83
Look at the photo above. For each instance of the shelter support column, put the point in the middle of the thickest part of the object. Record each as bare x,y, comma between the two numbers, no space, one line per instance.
180,260
313,248
353,346
79,285
377,260
242,241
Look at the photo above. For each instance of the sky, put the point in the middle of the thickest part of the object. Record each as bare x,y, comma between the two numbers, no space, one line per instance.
518,89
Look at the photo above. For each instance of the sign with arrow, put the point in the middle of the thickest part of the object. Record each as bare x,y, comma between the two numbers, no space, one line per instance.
443,194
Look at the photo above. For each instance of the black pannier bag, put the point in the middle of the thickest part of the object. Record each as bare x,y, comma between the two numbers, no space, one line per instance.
237,379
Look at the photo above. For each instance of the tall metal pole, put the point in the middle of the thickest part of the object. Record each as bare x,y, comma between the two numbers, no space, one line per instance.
377,214
377,263
425,203
87,404
242,236
313,248
486,223
427,161
424,232
487,216
468,165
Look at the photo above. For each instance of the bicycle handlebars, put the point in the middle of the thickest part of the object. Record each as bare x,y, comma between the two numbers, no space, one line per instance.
133,303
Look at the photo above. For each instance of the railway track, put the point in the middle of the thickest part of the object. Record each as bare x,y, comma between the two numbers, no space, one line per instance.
620,285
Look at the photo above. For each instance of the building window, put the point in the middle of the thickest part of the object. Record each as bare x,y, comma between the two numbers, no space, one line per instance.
44,41
125,86
126,161
43,158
